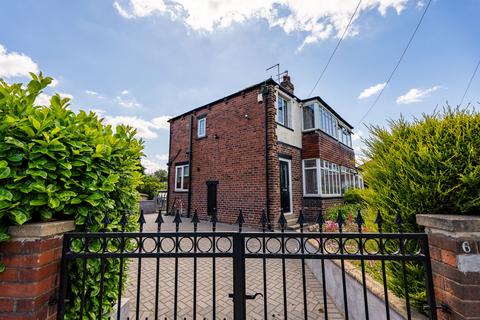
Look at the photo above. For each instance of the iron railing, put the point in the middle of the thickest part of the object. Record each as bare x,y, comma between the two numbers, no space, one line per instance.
240,246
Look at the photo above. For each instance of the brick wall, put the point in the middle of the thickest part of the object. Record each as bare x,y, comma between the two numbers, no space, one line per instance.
314,205
455,255
232,153
317,144
28,286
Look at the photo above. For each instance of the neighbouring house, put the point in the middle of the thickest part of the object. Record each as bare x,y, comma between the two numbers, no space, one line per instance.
261,148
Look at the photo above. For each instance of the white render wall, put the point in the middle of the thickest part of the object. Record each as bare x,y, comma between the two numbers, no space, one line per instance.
285,135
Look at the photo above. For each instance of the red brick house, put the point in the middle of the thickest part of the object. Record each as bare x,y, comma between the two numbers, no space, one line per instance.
261,148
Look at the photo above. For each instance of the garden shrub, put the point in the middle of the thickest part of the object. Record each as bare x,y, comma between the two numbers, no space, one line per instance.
430,165
151,186
57,165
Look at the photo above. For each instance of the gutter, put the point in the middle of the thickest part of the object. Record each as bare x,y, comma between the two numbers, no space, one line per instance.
169,164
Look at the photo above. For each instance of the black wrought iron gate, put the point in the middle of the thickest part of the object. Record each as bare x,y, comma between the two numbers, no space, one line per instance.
90,254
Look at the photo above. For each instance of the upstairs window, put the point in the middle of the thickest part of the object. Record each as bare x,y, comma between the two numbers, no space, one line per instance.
283,112
182,177
309,117
345,137
328,123
202,127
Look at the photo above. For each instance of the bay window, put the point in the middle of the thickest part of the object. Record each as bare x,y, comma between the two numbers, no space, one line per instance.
182,177
323,178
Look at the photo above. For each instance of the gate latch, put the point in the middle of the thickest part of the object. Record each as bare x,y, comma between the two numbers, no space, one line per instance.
248,296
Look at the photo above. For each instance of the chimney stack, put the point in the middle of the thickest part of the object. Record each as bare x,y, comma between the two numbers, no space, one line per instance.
287,84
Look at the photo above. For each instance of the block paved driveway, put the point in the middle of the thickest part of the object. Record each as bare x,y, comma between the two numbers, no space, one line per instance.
224,285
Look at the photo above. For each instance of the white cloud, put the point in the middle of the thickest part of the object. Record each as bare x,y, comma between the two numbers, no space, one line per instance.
357,136
124,92
162,157
91,93
416,95
43,99
318,19
54,83
129,103
151,166
65,95
14,64
122,11
145,129
372,90
162,122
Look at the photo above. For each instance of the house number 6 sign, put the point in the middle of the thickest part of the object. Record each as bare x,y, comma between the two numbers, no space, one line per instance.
466,247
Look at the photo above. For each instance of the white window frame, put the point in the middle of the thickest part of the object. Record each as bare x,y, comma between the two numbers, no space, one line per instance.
319,185
286,111
200,134
315,120
182,167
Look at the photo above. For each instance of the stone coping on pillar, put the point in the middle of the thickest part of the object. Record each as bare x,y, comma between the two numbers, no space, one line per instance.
41,229
450,222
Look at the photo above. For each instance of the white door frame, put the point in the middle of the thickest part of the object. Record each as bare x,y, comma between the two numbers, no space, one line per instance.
289,162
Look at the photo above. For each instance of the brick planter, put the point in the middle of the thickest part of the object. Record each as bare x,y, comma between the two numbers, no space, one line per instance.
455,252
28,286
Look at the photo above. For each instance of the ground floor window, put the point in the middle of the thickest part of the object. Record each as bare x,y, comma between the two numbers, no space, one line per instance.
324,178
182,176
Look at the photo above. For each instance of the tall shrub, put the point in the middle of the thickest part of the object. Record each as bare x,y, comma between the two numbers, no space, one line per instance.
429,165
56,164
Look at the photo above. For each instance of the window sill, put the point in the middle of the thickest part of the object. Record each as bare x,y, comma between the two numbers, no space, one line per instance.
284,126
180,191
323,196
201,138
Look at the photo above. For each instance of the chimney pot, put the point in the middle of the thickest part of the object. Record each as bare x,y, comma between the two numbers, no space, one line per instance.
287,84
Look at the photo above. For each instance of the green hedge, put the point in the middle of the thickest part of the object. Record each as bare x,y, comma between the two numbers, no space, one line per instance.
56,164
430,165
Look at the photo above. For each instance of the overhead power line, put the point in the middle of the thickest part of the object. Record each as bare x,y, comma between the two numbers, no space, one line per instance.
398,63
336,47
470,82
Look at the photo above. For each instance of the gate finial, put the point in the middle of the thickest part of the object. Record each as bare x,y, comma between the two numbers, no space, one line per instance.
240,220
282,221
88,222
320,220
359,220
301,219
399,221
264,220
177,220
379,220
195,219
214,219
124,220
159,219
340,221
141,218
106,221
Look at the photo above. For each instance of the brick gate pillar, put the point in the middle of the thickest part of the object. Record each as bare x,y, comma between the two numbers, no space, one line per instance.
28,286
454,242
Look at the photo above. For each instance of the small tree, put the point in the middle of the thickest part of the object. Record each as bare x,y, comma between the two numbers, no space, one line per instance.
56,164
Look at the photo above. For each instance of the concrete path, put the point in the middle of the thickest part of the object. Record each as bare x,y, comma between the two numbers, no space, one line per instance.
224,305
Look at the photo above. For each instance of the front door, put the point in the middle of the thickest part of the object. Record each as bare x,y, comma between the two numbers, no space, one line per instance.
211,196
285,186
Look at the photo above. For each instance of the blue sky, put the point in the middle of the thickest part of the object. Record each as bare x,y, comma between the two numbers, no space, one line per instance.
141,61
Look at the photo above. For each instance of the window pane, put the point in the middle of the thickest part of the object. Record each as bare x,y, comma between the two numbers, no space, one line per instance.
311,186
179,178
201,127
186,178
310,163
280,110
286,111
308,117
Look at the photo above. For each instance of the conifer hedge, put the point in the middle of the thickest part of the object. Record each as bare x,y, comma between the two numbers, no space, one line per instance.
430,165
56,164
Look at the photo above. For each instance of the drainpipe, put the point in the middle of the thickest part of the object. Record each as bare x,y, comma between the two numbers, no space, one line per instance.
265,91
190,156
169,164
